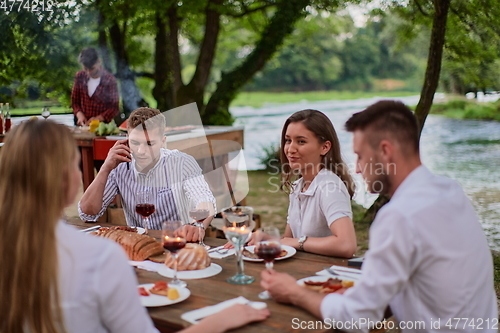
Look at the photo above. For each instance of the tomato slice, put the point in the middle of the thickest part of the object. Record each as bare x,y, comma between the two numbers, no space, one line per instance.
160,285
143,291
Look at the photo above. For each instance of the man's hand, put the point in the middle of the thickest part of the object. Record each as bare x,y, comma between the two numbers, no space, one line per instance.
81,120
119,153
282,287
190,232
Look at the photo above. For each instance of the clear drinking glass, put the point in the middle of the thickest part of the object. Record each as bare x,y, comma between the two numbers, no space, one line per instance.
173,243
45,113
199,212
145,206
268,247
237,228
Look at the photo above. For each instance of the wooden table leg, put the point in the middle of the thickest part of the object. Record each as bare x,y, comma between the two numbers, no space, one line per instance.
87,166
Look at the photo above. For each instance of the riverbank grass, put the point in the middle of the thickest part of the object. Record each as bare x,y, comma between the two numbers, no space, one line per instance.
461,108
258,99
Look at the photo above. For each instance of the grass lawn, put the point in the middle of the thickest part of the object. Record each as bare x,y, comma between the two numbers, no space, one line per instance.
258,99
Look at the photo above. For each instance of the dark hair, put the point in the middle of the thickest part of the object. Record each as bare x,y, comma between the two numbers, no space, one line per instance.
318,123
88,57
387,117
143,115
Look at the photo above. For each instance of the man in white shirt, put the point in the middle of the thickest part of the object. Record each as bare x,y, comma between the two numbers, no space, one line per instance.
174,179
428,256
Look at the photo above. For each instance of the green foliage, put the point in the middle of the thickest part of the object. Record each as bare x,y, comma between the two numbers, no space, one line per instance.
270,157
466,109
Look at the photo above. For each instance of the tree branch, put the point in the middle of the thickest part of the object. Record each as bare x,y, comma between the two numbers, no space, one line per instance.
421,9
247,11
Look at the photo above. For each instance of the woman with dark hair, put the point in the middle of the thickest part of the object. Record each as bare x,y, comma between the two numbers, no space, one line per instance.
53,277
319,184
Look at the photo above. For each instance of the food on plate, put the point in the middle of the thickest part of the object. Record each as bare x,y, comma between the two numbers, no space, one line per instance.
117,227
138,247
253,255
160,288
329,286
173,294
143,291
191,257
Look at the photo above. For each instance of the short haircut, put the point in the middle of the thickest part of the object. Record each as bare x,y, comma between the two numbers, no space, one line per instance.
387,118
151,118
88,57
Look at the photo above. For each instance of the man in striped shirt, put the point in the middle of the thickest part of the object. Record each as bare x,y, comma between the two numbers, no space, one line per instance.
141,164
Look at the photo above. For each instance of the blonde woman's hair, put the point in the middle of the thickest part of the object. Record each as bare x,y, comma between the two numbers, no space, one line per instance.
34,171
321,126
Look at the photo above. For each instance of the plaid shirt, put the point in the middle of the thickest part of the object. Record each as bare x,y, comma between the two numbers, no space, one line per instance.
103,102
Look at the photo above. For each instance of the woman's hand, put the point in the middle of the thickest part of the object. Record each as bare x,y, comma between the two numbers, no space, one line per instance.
232,317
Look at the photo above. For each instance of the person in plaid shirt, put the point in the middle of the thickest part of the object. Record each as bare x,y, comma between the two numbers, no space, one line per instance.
95,93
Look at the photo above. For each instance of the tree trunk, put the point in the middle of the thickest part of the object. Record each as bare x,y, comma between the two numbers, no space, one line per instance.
288,12
130,95
163,91
195,90
434,59
103,44
431,81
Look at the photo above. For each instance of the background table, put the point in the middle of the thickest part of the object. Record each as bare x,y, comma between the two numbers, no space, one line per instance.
210,147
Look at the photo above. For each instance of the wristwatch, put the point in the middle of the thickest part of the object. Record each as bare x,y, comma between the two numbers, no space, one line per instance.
302,240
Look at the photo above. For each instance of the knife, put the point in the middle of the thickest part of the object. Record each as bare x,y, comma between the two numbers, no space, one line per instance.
91,229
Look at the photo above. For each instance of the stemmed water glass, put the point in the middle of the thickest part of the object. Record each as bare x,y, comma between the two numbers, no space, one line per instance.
45,113
199,212
173,243
268,247
237,228
144,207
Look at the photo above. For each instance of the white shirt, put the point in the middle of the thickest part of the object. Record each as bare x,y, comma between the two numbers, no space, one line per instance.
176,181
98,287
311,213
92,85
428,258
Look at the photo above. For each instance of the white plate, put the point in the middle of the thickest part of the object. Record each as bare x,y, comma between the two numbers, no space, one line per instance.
290,253
158,300
211,270
140,230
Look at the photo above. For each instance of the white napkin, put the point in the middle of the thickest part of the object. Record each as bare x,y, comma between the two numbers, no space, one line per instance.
195,316
216,255
146,265
344,272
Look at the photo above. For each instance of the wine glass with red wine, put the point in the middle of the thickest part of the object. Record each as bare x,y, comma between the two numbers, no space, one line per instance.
268,247
173,243
145,207
199,213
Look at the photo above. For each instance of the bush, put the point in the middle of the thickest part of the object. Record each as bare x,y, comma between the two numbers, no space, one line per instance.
270,157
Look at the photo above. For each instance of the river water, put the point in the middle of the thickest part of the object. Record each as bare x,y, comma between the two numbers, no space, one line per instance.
465,150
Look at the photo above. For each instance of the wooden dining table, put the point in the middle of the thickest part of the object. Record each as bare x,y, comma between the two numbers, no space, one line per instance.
215,289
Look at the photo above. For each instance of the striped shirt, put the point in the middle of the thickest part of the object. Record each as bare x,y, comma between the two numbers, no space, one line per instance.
176,181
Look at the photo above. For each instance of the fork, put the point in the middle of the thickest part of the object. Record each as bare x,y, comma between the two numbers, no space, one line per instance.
219,250
330,271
